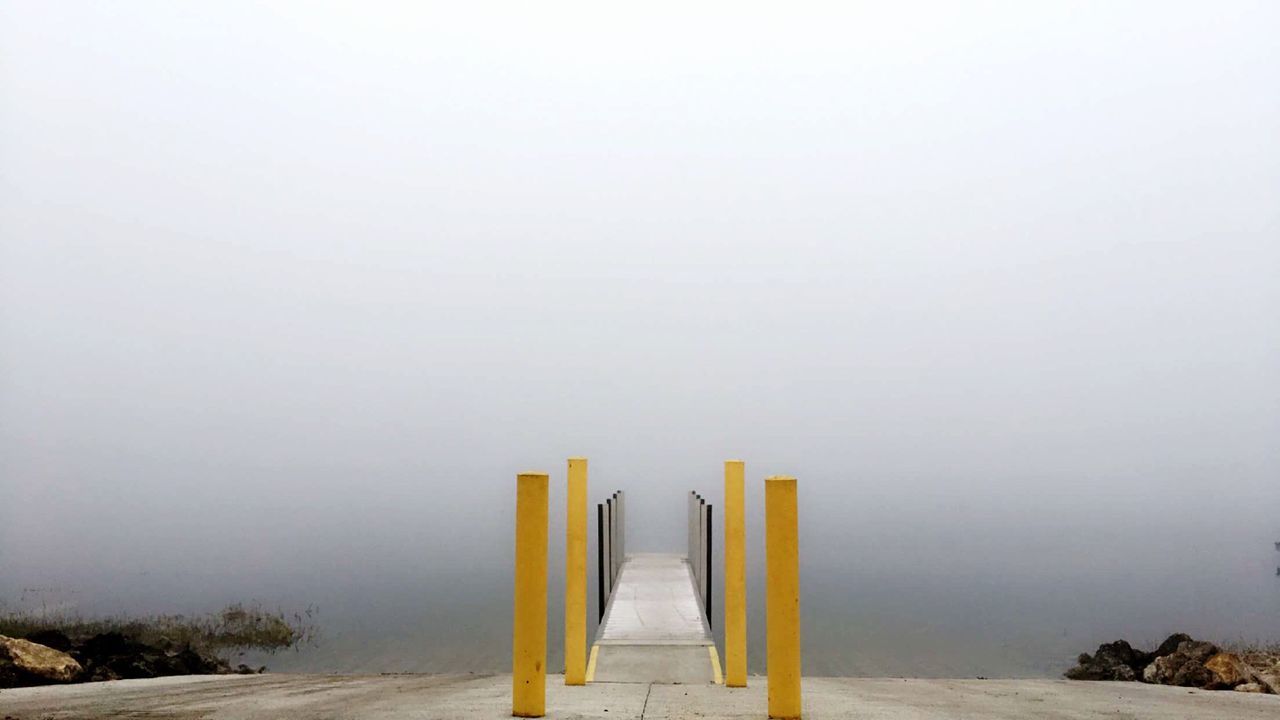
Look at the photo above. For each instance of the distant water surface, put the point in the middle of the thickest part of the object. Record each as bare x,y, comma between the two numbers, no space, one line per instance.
889,588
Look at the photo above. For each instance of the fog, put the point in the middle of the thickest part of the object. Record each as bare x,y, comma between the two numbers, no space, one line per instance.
290,293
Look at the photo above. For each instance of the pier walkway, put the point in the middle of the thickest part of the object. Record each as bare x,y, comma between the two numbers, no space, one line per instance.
654,628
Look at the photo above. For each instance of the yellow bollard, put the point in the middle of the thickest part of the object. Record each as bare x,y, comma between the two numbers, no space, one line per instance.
782,597
529,634
735,575
575,575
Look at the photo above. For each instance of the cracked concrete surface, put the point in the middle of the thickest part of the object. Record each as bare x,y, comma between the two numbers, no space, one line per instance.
426,697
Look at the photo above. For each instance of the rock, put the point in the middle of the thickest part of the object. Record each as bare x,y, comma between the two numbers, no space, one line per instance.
55,639
190,662
102,657
28,663
1185,662
1229,670
1170,644
1197,650
112,644
112,656
1194,674
1184,667
102,674
1112,661
1252,687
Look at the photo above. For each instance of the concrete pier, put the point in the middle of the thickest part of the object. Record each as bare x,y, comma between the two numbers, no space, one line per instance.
436,697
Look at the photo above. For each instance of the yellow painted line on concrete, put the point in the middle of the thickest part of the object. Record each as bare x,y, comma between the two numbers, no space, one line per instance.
715,666
591,664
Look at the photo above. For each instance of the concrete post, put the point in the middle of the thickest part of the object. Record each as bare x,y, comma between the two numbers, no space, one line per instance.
735,575
782,597
529,629
575,574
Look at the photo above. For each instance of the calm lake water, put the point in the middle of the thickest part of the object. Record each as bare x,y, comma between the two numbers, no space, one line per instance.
892,584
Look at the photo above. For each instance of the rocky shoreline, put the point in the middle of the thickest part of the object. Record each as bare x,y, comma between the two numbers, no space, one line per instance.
1185,662
50,657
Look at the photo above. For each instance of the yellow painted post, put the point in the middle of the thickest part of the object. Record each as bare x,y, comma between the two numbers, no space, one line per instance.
529,634
782,597
575,575
735,575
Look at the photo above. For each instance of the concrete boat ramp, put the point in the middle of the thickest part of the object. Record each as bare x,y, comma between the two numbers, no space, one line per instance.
432,697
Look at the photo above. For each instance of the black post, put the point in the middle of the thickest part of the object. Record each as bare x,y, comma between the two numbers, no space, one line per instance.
613,537
701,539
600,557
608,512
709,515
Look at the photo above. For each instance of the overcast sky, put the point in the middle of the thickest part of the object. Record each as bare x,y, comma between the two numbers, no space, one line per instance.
290,284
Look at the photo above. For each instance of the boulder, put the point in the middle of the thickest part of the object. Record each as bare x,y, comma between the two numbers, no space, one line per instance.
1194,674
55,639
1184,667
1197,650
190,662
1113,661
112,644
1229,670
1170,645
23,662
113,656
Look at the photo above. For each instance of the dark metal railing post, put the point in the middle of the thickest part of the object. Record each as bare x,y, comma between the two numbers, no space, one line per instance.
700,549
709,564
600,585
606,573
613,538
622,528
695,560
692,540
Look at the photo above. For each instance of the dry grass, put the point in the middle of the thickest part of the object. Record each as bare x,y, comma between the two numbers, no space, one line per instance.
236,628
1241,647
1263,656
